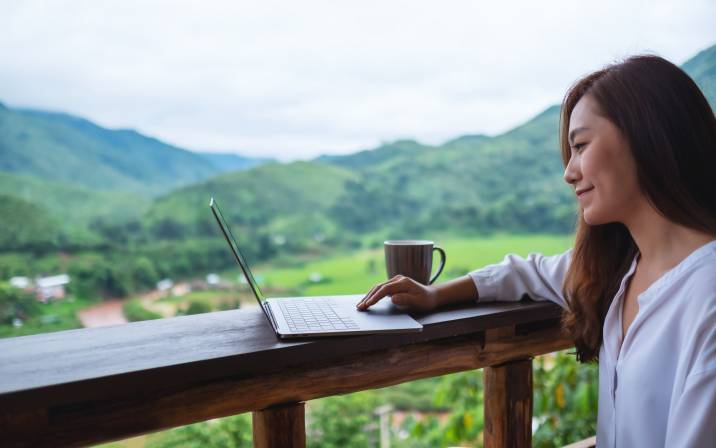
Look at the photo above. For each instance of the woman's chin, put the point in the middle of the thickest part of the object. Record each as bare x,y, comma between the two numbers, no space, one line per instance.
593,219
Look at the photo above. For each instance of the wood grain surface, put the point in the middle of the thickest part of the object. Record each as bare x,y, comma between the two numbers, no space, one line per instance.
88,386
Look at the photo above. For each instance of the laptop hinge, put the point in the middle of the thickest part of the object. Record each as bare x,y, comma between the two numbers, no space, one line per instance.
270,315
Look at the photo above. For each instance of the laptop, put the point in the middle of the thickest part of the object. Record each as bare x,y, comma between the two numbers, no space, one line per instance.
298,317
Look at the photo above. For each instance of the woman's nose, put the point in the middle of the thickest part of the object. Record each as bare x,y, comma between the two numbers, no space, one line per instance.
571,172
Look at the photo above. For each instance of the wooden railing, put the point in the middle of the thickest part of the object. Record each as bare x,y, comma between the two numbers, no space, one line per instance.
88,386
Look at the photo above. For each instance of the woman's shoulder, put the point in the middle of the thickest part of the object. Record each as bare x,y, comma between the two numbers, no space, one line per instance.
702,279
699,284
702,272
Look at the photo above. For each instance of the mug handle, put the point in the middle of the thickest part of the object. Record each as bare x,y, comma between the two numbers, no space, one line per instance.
442,263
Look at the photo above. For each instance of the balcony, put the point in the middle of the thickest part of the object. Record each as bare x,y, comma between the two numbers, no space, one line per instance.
88,386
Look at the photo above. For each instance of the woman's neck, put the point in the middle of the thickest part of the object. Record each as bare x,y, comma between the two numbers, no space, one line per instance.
662,243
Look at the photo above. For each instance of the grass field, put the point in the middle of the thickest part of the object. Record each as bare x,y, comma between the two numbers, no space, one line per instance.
56,315
356,273
350,273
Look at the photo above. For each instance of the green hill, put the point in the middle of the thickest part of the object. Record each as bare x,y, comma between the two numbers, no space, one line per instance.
225,162
60,147
280,199
25,226
73,205
511,182
702,68
368,158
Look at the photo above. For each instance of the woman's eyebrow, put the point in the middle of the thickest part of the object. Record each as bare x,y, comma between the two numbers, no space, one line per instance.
576,131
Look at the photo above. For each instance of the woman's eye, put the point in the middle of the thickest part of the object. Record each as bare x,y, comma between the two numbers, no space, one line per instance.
579,146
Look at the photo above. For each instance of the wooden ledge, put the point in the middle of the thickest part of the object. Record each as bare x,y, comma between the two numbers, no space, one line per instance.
94,385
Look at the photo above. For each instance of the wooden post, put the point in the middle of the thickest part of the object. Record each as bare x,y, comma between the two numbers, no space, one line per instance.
280,426
508,404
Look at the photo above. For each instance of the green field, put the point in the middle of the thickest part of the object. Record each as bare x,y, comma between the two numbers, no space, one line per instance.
348,273
355,273
56,315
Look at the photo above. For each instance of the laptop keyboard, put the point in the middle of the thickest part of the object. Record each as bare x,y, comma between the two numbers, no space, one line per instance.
305,315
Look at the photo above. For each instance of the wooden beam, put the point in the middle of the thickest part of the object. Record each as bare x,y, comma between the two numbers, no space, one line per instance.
280,426
91,422
508,405
100,364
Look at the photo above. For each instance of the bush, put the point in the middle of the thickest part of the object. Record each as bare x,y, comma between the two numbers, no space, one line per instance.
197,307
16,304
134,311
232,431
565,401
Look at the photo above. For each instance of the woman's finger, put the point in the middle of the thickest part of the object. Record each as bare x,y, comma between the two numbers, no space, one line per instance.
369,293
370,296
374,289
387,289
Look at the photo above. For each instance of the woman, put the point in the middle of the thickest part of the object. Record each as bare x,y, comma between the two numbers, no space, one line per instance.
638,288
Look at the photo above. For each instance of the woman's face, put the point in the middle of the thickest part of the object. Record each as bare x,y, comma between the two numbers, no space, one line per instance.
601,167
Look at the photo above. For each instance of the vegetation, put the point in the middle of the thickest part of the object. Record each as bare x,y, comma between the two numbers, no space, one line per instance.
36,317
16,304
60,147
135,311
226,432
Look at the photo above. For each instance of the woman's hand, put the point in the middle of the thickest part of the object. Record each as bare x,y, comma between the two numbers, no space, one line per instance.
404,292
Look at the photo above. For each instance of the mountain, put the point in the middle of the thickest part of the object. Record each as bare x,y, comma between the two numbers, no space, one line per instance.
60,147
371,157
702,68
225,162
274,204
407,191
71,205
269,194
25,226
511,182
84,175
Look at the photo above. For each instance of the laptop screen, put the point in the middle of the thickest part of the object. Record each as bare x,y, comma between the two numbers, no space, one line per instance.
237,252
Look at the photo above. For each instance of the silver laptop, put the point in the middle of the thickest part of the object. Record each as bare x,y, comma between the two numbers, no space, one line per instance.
294,317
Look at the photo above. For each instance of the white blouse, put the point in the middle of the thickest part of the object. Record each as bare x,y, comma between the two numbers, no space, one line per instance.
658,387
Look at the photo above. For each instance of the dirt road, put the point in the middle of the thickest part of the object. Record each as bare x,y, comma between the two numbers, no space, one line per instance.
103,314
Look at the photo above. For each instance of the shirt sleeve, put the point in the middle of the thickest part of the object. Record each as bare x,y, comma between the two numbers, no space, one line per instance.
540,277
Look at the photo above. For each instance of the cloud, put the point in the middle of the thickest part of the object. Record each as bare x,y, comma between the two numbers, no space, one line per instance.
297,79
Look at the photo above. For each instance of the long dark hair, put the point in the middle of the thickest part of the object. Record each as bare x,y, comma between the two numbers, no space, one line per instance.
671,131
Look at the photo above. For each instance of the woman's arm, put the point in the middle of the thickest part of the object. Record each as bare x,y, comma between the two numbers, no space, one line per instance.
406,292
461,289
692,420
692,412
538,276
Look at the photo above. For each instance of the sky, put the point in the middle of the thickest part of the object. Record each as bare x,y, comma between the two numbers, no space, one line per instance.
293,80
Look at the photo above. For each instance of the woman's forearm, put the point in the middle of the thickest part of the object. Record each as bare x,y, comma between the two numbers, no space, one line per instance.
461,289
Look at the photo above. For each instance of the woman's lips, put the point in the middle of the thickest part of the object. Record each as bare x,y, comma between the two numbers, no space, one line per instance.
581,193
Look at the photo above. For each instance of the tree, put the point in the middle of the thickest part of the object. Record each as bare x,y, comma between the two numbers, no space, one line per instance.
342,421
228,432
16,303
